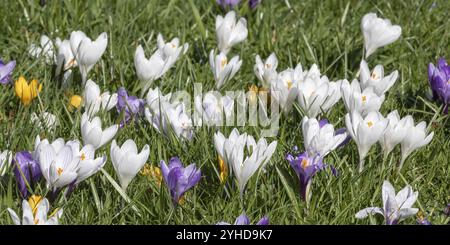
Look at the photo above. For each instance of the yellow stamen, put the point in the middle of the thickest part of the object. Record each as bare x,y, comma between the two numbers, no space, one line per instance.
364,98
224,62
268,66
181,201
59,171
33,201
83,157
152,173
370,124
304,163
289,84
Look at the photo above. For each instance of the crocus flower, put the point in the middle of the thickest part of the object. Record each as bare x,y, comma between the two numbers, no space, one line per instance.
86,51
396,207
27,91
244,220
93,134
362,101
320,139
5,161
223,70
35,213
229,31
228,3
306,166
127,161
44,121
254,3
6,71
180,121
283,87
132,106
266,71
422,220
26,170
378,32
75,102
89,165
376,79
65,57
156,108
45,49
214,108
395,132
94,100
415,138
365,131
178,178
224,146
153,173
439,79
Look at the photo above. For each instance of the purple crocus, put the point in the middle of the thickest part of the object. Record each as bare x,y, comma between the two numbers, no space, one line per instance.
447,210
178,178
26,170
132,106
254,3
228,3
439,79
6,71
244,220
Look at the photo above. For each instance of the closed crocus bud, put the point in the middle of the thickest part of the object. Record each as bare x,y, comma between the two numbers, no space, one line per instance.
283,89
365,131
75,101
439,79
94,101
376,79
65,58
415,138
229,32
27,92
222,69
378,32
36,213
26,170
320,139
266,71
93,134
395,132
170,51
127,161
362,102
45,50
6,71
147,70
88,52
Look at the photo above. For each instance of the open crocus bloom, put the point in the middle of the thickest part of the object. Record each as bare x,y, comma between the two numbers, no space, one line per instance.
180,121
416,137
213,107
65,57
378,32
363,101
45,49
92,133
365,131
396,207
131,106
27,92
224,147
58,163
156,103
87,52
283,87
170,52
222,69
395,132
247,156
320,139
127,161
26,170
94,101
244,220
6,71
376,79
316,93
266,71
35,213
229,32
45,121
5,161
89,165
178,178
439,79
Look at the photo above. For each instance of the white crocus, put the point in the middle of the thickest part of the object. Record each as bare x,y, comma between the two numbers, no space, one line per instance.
320,140
222,69
284,86
395,132
156,103
396,207
94,101
376,79
266,71
5,161
89,165
170,51
58,163
45,121
65,58
360,101
87,52
416,137
378,32
37,215
93,134
180,121
127,161
213,107
45,49
247,156
229,32
365,131
224,146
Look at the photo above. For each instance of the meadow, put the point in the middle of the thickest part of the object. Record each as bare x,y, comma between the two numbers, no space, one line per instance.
326,33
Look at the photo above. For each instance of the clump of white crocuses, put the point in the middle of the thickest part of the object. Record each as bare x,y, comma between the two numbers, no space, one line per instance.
94,100
320,139
365,131
93,134
396,207
213,108
127,161
45,50
266,71
395,132
35,212
378,32
361,101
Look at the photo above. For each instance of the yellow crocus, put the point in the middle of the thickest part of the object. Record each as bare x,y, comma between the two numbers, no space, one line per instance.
27,91
75,101
152,173
33,201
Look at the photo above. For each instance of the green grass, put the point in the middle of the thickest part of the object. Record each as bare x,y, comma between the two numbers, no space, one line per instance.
310,32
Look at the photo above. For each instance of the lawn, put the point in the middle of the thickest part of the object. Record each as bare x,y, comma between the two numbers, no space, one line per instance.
326,33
